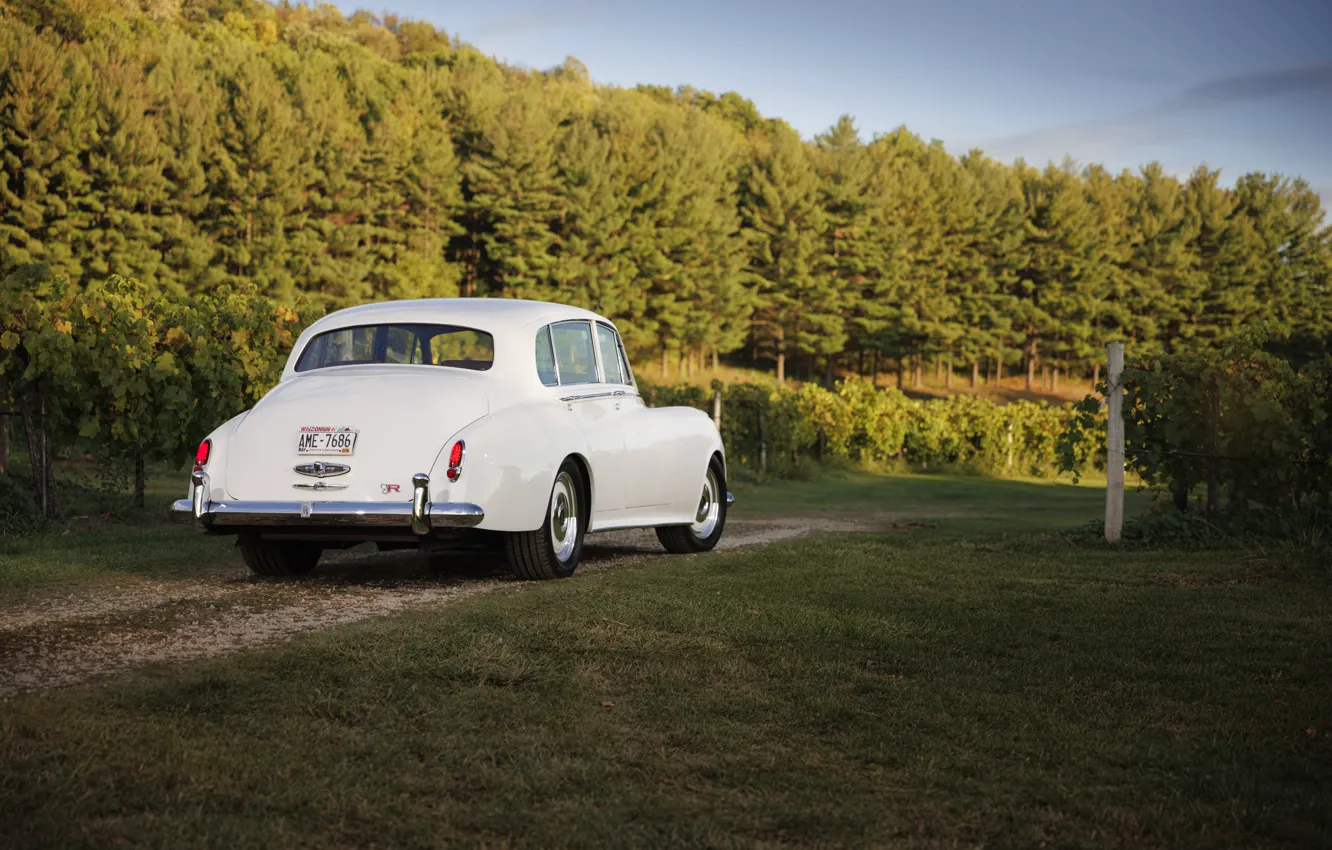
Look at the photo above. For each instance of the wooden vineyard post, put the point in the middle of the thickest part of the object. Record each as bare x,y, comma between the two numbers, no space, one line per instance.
1114,460
763,445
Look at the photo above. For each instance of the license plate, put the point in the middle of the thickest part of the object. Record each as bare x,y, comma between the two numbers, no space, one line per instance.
315,440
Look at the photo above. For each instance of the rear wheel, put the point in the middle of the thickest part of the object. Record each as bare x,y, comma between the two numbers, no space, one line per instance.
709,517
554,549
280,557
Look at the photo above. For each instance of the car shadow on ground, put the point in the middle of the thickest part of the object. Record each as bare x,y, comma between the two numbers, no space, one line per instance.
364,566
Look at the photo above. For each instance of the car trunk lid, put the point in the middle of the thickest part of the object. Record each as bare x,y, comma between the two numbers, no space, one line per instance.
401,417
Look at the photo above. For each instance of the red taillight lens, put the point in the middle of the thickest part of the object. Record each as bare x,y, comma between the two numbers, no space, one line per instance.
455,460
201,456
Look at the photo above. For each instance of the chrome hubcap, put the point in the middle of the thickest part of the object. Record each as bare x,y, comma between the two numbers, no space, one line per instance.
563,517
709,507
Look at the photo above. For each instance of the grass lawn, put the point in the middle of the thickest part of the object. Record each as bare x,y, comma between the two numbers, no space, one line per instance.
104,542
973,683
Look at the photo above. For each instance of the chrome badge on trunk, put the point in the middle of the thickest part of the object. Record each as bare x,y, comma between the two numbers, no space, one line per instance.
320,469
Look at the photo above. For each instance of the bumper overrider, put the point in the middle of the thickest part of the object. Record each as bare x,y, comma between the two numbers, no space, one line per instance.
421,515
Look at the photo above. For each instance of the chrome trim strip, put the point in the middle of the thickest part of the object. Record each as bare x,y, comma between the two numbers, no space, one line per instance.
320,485
550,338
592,395
596,353
730,498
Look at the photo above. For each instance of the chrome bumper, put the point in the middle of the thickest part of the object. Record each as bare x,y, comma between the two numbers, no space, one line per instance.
421,515
730,498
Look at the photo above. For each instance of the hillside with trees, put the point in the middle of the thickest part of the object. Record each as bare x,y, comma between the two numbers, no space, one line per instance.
335,160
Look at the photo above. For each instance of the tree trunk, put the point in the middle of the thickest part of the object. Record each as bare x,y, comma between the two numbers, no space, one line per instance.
938,368
1054,379
828,363
665,362
781,356
860,363
1031,362
948,374
919,368
32,408
1213,447
975,372
714,360
1096,375
901,367
140,480
875,358
998,371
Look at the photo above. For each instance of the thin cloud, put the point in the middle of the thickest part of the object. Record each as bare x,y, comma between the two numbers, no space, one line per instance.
1148,125
1315,78
541,16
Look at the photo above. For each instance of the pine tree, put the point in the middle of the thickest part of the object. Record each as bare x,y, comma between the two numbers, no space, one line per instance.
1223,249
993,258
40,124
853,246
257,173
1060,275
117,209
184,105
797,304
512,202
1162,269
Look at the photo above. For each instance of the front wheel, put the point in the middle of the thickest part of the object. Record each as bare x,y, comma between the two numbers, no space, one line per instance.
280,558
709,518
554,549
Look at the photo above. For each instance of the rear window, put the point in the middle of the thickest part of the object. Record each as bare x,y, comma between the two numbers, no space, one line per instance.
427,345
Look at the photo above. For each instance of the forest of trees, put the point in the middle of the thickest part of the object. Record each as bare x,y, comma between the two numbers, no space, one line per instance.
191,143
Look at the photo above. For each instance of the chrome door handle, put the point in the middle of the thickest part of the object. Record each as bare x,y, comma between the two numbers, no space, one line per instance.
569,398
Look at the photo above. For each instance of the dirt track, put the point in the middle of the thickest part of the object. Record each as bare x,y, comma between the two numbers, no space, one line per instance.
70,639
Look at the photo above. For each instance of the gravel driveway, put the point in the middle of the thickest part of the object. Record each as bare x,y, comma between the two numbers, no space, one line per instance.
65,640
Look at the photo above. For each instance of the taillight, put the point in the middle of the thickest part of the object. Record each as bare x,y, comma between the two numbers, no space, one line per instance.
201,455
455,460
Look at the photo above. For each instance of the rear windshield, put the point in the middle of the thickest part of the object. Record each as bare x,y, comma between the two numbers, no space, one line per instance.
428,345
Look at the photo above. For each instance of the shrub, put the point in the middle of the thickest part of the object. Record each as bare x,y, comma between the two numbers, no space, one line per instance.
774,427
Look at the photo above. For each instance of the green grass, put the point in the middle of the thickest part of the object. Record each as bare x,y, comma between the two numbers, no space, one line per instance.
961,504
970,684
105,540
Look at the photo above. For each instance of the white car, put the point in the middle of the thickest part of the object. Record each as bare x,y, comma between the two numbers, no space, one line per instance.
453,422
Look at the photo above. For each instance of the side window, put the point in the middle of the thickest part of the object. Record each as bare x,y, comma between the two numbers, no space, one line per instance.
573,352
624,364
545,358
608,345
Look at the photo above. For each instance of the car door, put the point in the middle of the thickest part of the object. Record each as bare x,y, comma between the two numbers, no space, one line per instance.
597,405
644,459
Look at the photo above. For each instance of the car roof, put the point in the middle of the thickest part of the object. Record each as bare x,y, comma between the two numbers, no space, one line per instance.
488,314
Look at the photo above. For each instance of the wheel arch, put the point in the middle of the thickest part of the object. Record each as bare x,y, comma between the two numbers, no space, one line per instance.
720,457
585,469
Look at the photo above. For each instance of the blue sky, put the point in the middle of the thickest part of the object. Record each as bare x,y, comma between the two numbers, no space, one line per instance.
1240,86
